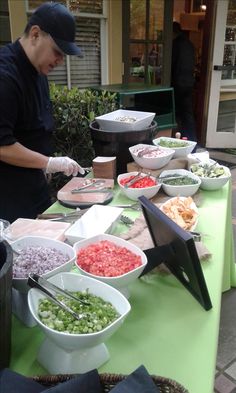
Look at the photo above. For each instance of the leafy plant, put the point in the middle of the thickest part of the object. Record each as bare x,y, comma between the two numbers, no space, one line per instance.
73,110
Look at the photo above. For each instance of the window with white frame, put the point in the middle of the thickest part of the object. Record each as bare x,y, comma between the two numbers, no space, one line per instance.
91,19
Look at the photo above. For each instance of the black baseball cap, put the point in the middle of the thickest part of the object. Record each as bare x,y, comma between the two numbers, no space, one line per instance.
56,20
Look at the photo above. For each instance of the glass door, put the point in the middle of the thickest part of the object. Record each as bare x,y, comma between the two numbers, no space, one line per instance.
221,127
144,34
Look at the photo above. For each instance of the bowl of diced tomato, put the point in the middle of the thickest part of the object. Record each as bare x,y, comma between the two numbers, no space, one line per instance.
110,259
144,184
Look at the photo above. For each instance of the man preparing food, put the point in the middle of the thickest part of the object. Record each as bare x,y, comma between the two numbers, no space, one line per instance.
26,122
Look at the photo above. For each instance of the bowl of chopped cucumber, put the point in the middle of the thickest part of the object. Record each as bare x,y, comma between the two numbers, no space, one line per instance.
76,345
213,175
180,146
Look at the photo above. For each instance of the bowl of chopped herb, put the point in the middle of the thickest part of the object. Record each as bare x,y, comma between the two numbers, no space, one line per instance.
77,345
180,146
179,182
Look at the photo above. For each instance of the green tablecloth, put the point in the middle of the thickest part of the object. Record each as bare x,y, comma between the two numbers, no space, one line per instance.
167,330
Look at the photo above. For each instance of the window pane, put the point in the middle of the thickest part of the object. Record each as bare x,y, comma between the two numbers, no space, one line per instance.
156,20
86,71
33,4
92,6
154,63
138,19
136,57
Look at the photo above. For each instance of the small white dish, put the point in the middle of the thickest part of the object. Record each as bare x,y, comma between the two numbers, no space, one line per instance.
63,353
179,151
112,121
119,282
180,190
152,159
98,219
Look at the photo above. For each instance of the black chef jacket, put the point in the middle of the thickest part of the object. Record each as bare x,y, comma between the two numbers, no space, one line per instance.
25,117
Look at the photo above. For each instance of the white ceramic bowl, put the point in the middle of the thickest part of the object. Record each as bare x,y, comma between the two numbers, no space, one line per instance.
35,241
181,190
98,219
175,202
150,160
65,352
119,282
214,183
110,121
179,151
135,193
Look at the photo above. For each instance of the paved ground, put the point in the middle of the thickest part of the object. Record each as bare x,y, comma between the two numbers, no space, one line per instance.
225,381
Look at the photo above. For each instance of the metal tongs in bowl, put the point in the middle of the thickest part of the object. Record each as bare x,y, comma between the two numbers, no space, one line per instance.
36,281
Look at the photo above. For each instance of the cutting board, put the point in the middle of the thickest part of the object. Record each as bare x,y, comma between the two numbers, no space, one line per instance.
66,198
26,226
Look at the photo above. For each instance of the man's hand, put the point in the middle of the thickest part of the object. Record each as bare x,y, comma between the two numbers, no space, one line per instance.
64,164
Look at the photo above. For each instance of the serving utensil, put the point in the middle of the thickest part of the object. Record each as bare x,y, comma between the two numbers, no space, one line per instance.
133,206
126,220
161,179
135,178
35,281
147,150
92,183
62,216
82,191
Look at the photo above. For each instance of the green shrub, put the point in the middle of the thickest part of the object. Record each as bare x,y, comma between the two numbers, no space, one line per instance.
73,110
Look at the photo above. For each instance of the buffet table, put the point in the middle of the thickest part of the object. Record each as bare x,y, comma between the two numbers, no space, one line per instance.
167,330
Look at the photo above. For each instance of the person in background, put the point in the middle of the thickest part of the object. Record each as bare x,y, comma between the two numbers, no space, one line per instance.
182,80
26,121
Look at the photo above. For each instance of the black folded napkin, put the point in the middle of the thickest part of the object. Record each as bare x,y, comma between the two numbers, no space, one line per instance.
84,383
11,382
137,382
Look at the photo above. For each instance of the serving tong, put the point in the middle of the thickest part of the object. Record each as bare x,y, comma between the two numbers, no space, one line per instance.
36,281
136,178
98,184
147,150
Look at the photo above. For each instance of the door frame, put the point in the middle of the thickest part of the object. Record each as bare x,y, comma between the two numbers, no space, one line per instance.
216,139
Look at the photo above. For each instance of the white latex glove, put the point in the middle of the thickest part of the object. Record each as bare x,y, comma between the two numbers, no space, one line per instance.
64,164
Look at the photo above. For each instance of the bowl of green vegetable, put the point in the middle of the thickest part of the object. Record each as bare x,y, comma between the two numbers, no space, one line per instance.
213,176
180,146
179,182
77,345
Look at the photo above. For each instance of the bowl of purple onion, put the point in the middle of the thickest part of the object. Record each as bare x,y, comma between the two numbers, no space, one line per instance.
40,255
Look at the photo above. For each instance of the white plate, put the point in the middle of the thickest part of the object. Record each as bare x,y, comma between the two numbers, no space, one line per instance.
98,219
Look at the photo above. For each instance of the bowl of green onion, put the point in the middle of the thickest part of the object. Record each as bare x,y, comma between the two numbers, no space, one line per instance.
77,345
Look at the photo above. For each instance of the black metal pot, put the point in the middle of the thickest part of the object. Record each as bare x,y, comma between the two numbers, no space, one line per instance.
111,143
